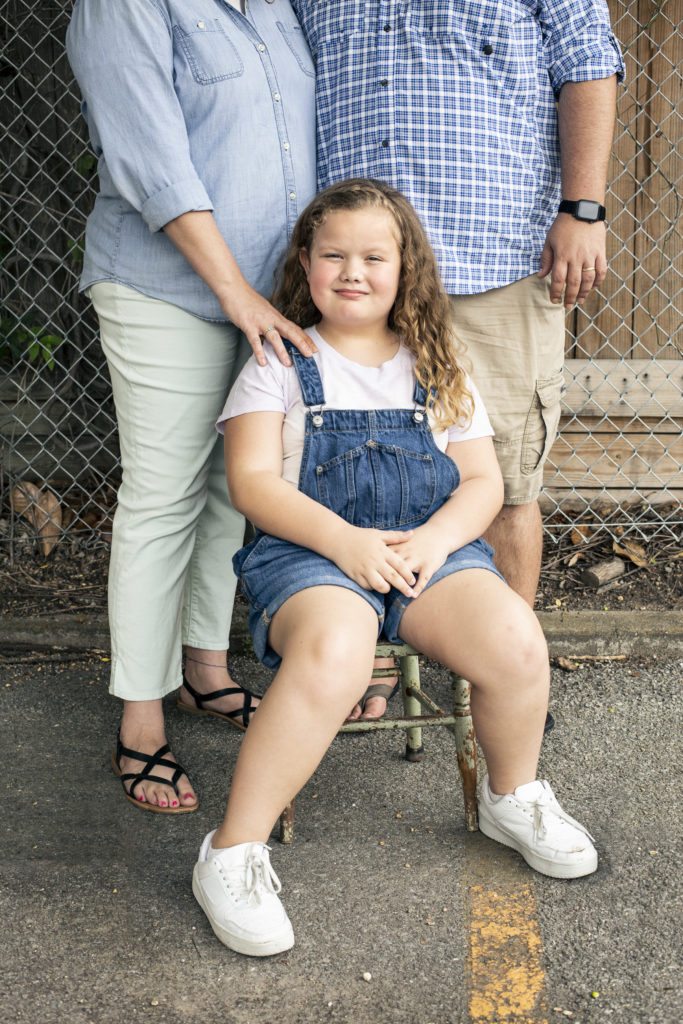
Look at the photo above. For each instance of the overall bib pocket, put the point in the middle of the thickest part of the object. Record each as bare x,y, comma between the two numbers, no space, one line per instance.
378,485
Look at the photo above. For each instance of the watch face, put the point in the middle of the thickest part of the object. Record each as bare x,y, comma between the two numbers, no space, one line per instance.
586,209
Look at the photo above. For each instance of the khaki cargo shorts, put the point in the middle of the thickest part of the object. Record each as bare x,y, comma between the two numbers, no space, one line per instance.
515,340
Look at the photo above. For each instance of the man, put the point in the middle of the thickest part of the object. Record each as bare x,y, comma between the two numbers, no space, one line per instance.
496,120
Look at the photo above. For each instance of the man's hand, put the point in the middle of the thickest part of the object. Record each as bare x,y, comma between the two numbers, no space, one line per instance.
574,255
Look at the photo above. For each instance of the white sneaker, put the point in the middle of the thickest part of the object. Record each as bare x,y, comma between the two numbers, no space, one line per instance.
531,821
237,890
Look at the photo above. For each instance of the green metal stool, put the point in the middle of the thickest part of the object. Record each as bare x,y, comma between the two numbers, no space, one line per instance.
419,712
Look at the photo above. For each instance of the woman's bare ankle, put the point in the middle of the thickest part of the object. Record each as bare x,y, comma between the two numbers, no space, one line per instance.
142,722
207,670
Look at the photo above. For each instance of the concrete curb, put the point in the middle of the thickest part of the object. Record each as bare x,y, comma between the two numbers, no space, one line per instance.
651,633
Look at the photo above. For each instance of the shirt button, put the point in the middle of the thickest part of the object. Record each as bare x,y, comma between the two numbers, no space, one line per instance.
384,82
488,50
387,28
261,47
276,96
200,24
285,145
385,143
292,195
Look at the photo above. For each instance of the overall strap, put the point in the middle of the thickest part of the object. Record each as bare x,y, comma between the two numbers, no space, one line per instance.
420,394
309,376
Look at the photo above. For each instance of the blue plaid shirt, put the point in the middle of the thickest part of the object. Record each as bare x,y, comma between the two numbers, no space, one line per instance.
454,103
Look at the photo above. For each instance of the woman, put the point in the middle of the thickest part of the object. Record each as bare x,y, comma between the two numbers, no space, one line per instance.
201,113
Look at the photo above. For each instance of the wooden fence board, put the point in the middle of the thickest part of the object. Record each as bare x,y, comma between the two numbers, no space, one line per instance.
622,388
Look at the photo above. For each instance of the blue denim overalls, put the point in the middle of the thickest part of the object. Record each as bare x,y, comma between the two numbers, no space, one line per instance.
375,468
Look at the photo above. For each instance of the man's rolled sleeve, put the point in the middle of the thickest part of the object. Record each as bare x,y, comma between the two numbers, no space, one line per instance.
579,43
588,59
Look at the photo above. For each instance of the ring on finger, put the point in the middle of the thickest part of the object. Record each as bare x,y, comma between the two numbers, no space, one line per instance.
268,329
587,270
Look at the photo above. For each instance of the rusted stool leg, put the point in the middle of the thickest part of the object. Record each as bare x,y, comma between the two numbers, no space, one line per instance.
466,748
410,676
287,823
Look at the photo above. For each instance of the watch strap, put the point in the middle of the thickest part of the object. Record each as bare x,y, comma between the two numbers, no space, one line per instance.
583,209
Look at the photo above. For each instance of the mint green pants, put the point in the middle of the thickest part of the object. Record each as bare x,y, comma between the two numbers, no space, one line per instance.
170,578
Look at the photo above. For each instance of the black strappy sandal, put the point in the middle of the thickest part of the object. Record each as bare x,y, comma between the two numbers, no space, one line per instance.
200,699
152,761
385,690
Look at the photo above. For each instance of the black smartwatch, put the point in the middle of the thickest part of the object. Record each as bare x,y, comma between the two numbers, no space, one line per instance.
583,209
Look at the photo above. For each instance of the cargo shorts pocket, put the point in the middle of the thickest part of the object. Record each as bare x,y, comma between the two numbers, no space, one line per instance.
542,421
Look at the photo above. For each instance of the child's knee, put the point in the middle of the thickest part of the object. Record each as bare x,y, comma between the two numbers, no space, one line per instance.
528,654
332,659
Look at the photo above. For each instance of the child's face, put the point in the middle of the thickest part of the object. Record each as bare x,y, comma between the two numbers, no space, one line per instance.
354,267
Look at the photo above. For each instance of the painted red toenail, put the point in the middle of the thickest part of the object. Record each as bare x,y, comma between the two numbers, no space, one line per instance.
141,798
175,803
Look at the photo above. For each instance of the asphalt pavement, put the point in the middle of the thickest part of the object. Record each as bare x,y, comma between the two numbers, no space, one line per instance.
401,916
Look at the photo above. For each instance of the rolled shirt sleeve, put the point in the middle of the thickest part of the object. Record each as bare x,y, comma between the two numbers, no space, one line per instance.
122,56
578,42
193,105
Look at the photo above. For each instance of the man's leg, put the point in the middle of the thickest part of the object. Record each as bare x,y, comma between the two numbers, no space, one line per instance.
515,341
514,337
516,535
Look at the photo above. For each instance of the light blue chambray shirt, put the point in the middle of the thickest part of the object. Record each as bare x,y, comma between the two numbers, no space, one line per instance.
193,106
454,103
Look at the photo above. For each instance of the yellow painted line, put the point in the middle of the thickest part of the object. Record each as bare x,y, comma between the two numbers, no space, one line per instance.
506,980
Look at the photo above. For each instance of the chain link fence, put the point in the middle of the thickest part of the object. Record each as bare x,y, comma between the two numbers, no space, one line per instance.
617,460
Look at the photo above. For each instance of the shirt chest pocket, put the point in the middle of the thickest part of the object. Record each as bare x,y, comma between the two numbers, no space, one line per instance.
210,55
501,41
479,18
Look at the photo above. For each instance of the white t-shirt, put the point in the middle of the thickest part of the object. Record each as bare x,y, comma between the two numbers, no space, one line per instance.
347,385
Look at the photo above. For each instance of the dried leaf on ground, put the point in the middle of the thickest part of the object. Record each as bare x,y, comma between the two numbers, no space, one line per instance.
580,534
566,664
43,511
631,549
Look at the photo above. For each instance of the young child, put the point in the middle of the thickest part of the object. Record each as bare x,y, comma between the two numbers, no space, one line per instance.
369,472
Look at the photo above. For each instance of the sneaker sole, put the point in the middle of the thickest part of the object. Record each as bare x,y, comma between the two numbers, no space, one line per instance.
268,947
543,865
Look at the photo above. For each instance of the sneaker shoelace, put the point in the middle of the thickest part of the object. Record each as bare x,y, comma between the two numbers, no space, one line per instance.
546,805
260,878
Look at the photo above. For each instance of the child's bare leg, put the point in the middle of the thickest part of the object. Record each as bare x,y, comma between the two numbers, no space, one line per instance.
476,625
326,637
479,627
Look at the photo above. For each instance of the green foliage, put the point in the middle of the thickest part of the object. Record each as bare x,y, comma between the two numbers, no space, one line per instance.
21,339
76,250
85,164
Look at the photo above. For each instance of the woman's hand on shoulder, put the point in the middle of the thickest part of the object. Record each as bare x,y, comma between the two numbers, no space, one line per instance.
260,322
196,235
369,557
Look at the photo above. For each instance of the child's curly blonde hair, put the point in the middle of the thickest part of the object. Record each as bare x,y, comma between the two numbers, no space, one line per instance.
420,315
